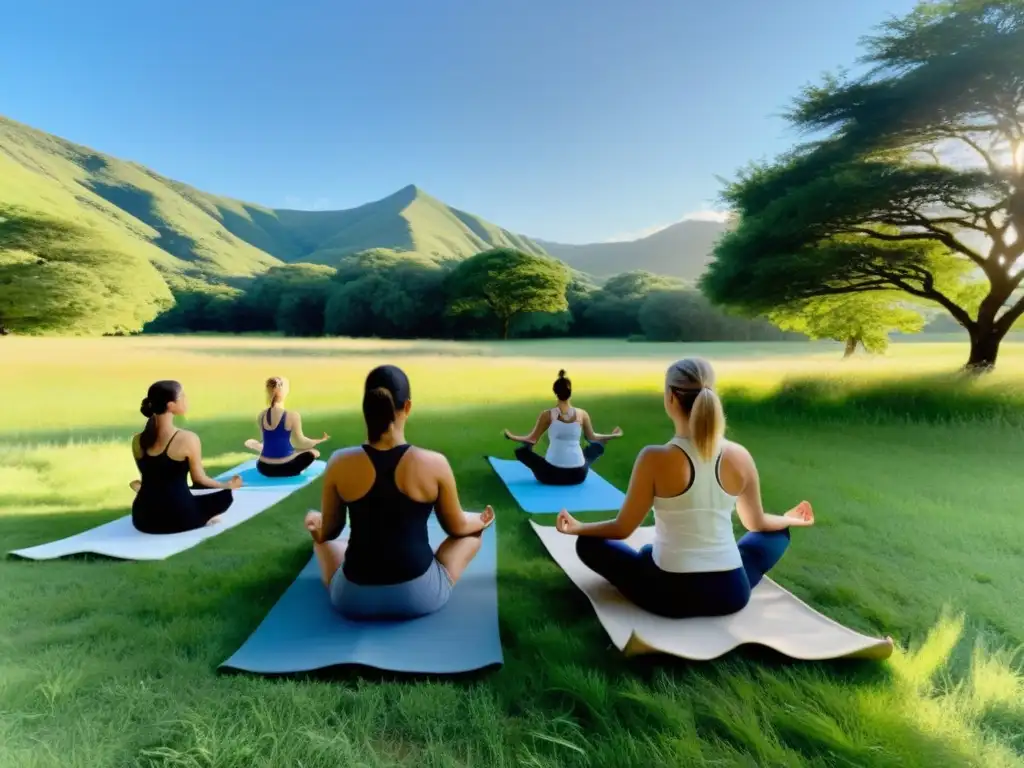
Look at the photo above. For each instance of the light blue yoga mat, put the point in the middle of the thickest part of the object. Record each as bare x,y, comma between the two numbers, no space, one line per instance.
595,494
251,478
303,632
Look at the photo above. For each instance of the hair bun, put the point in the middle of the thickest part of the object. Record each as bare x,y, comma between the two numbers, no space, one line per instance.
561,374
147,408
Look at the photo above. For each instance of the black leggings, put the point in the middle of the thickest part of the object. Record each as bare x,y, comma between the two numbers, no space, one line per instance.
162,517
548,474
683,595
294,466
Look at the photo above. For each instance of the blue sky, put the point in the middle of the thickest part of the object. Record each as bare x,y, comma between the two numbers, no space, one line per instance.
570,120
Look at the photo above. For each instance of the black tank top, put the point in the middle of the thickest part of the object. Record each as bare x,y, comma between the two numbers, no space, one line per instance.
164,502
388,541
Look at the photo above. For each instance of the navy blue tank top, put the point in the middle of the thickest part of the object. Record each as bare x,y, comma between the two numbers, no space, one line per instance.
277,442
388,541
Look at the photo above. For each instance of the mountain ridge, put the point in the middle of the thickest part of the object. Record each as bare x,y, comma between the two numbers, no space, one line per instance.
682,250
142,237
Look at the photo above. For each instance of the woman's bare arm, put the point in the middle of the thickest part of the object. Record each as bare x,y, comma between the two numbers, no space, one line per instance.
299,440
595,437
332,508
637,504
450,514
749,506
257,444
194,451
543,422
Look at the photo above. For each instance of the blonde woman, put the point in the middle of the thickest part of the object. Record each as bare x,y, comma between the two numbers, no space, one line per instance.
695,566
284,450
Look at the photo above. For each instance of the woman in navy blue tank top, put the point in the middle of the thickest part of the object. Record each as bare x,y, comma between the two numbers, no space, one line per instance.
284,451
386,490
165,456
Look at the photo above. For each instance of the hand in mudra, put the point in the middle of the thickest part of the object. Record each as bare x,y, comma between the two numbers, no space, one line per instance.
487,516
802,515
566,523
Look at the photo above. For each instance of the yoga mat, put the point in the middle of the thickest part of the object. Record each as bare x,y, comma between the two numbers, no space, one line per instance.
119,538
251,477
303,632
595,494
773,618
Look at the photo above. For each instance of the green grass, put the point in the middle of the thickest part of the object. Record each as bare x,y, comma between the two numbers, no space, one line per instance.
915,482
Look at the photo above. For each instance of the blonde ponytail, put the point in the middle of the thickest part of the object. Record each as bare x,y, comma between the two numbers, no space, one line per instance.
707,423
692,382
277,386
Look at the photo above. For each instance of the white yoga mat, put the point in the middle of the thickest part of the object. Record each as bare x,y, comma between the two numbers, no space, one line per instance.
773,618
119,539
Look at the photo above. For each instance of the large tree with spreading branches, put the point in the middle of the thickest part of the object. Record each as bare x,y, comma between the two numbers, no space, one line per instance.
914,182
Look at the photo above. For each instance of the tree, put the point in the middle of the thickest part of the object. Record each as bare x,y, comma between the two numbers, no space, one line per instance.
58,276
864,319
917,187
506,283
684,314
615,309
388,296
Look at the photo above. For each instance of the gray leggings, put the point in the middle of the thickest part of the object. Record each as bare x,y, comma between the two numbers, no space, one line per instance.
406,600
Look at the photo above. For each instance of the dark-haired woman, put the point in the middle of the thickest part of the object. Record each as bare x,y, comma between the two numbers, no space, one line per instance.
565,462
282,435
387,489
165,456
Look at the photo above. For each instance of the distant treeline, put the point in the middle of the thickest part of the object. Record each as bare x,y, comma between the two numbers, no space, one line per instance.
385,294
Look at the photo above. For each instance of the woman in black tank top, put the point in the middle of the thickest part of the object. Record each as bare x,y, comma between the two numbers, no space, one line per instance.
387,489
163,501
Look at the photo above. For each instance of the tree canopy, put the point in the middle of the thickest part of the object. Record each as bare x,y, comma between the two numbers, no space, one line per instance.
917,186
507,283
862,319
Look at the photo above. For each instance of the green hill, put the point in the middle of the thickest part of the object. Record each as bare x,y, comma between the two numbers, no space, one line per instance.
92,243
682,250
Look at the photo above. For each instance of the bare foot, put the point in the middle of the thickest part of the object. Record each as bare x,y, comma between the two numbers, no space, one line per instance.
135,485
213,520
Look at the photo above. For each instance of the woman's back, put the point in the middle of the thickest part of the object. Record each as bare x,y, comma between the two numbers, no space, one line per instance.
564,440
389,498
277,438
161,473
693,530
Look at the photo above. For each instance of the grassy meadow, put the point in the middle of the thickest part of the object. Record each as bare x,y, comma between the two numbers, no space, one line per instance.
914,474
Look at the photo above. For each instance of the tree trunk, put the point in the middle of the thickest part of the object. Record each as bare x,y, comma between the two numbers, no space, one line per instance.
851,347
506,324
984,349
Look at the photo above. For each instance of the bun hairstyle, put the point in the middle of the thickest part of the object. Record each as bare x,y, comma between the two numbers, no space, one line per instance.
692,382
276,388
562,387
386,392
159,396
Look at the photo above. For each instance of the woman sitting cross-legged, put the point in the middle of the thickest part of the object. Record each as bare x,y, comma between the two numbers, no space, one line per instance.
387,568
695,566
282,434
165,455
565,462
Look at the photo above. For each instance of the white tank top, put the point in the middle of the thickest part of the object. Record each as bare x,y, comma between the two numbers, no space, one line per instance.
564,442
693,531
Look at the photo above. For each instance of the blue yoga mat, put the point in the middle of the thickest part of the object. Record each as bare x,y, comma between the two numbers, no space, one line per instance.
595,494
303,632
251,478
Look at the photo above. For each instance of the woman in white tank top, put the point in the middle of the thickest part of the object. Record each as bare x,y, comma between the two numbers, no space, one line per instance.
566,462
695,566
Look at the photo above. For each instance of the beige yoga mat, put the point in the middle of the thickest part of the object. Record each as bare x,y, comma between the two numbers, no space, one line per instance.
773,618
